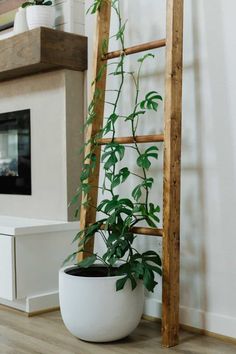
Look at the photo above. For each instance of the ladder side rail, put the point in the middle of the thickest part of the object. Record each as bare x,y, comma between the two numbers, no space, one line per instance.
172,169
88,213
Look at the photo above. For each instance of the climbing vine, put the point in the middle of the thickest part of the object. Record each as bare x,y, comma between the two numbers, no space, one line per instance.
120,215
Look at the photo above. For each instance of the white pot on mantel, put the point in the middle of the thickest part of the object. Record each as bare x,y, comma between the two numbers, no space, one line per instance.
92,309
40,16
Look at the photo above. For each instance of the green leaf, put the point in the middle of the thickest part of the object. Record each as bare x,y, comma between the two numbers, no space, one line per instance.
75,198
154,217
150,222
110,162
134,115
149,55
112,152
148,182
102,204
143,161
154,208
47,3
120,177
94,7
155,269
121,151
88,233
114,236
151,101
87,262
127,202
112,204
148,280
121,283
152,256
85,172
137,193
152,148
133,281
116,73
70,258
78,236
120,33
109,176
26,4
116,181
124,172
138,269
113,117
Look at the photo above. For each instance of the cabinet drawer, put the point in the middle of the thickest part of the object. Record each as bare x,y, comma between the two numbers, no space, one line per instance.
7,267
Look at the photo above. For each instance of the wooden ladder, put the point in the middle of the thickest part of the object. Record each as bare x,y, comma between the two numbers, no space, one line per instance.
172,153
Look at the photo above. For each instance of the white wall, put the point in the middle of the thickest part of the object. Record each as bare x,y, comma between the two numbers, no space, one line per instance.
70,15
208,242
56,103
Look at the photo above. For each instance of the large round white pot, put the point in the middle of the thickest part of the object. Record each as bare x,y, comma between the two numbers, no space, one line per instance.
40,16
93,310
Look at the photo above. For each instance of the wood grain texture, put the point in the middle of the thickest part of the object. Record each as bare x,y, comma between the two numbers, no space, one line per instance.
130,139
136,49
88,214
40,50
146,231
172,166
46,334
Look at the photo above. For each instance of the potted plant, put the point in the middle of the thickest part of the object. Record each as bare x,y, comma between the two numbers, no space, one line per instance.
39,13
102,296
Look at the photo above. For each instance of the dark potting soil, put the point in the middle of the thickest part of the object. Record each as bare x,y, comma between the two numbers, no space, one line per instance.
95,271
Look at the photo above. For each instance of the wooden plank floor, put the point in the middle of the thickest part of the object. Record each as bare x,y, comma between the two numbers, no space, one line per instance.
46,334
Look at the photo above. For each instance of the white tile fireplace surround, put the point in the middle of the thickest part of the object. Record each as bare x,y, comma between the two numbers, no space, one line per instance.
36,230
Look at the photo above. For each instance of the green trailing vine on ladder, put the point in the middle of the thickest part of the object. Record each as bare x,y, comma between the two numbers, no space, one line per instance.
119,215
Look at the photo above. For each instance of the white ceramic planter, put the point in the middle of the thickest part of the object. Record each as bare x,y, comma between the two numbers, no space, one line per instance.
94,311
20,22
40,16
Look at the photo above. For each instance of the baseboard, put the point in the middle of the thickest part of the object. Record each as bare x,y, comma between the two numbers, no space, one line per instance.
15,304
41,312
204,322
42,303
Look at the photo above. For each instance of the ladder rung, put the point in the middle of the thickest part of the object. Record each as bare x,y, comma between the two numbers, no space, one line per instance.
135,49
130,139
150,231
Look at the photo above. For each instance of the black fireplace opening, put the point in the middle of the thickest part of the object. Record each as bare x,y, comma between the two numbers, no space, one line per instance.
15,153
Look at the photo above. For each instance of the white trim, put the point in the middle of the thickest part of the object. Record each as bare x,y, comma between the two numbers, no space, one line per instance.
32,304
16,226
42,302
212,322
16,304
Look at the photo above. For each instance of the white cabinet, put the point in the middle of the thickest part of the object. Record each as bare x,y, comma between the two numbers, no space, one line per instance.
38,260
31,254
7,267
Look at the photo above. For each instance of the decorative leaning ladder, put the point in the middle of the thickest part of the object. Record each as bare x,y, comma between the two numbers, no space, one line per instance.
172,153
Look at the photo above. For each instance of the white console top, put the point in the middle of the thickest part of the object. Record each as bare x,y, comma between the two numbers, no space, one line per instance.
13,226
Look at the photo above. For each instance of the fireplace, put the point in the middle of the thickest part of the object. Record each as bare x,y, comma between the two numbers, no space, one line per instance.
15,159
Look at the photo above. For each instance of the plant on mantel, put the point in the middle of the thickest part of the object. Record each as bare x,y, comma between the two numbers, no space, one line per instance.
120,215
36,2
